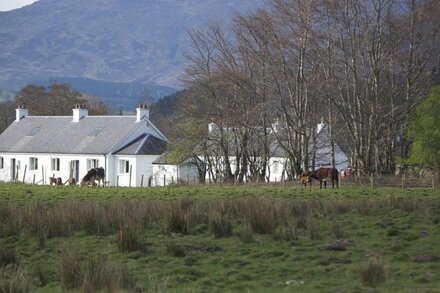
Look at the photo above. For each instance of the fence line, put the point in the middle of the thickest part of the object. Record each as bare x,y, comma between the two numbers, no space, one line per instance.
403,181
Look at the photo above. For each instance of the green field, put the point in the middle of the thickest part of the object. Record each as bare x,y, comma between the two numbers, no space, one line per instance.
219,239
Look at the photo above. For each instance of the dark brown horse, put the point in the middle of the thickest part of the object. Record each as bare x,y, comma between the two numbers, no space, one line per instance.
324,174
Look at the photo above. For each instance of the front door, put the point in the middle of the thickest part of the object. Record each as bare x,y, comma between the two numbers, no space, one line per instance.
74,170
13,170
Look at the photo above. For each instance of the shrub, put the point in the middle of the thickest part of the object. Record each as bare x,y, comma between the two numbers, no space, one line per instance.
373,274
219,225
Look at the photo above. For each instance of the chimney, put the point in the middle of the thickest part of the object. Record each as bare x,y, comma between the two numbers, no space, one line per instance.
21,112
276,125
321,126
79,112
212,127
141,112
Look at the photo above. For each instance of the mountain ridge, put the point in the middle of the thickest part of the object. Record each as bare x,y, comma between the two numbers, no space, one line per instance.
136,41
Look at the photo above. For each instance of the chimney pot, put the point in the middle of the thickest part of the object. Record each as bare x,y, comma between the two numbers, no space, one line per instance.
21,112
142,111
79,112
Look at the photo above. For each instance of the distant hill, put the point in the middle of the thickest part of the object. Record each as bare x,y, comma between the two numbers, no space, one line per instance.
105,44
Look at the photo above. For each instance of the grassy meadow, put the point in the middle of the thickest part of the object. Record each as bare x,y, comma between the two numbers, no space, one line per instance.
219,239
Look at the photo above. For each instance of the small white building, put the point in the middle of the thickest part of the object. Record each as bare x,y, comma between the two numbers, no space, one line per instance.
320,154
34,148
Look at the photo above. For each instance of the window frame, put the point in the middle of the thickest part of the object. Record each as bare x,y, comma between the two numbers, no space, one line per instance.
55,164
33,163
124,166
276,167
92,163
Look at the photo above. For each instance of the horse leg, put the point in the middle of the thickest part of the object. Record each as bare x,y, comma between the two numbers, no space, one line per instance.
325,184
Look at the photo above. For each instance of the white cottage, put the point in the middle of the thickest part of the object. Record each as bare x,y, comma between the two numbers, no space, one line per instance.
34,148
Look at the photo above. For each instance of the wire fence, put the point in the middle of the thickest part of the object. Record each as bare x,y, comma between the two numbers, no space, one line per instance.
403,181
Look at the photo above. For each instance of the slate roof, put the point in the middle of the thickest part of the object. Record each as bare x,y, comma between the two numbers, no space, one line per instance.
49,134
145,144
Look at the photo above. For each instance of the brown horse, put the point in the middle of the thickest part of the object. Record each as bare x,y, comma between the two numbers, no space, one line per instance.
322,174
305,179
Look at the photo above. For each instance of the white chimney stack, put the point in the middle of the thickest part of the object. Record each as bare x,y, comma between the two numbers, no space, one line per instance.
212,127
79,112
21,112
276,125
141,112
321,126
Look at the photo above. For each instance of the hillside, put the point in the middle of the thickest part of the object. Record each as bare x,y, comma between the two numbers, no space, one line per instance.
133,42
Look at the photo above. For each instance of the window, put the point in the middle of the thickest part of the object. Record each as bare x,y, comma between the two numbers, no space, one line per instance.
276,167
92,163
124,166
95,132
2,161
33,164
55,164
34,131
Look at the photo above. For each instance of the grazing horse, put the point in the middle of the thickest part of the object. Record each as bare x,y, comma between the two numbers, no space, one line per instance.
305,179
92,175
71,181
55,181
322,174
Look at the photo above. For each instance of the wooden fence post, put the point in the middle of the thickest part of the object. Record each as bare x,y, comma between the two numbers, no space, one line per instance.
403,180
129,178
24,174
164,179
372,181
142,181
33,181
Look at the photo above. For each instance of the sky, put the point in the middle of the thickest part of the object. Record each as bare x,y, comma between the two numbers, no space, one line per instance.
6,5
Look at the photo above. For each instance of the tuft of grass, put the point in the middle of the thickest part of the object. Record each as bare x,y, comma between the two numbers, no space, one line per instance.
14,280
219,225
261,214
246,233
8,256
101,274
175,249
287,231
337,230
373,274
128,240
178,217
71,274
